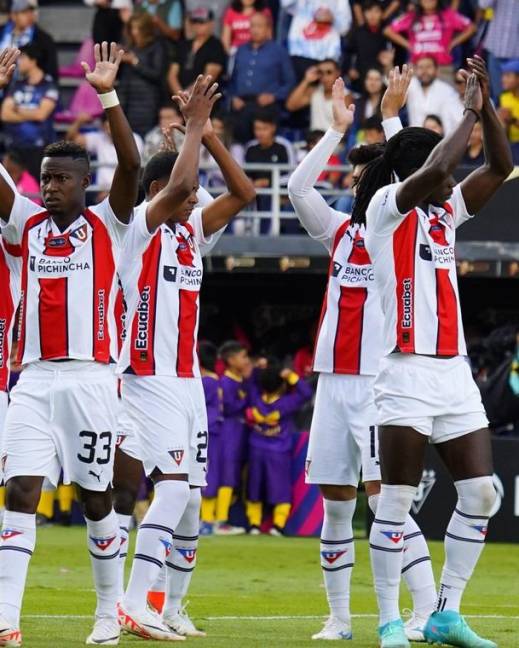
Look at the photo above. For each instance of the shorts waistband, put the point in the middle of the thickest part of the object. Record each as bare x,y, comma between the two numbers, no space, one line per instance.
425,361
86,368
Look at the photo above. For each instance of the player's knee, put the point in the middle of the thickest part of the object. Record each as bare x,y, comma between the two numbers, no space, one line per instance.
476,496
124,500
338,493
23,494
487,495
96,506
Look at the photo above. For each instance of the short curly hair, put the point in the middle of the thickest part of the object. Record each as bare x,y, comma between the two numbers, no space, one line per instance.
67,149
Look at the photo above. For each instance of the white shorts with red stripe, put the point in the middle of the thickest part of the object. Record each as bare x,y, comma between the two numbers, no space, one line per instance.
63,415
343,437
170,420
3,411
436,396
127,438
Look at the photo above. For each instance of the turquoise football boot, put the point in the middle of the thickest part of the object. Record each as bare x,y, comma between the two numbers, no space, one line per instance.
392,635
450,628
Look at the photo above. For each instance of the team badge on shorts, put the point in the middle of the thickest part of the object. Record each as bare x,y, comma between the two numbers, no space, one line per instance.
177,456
120,440
103,543
188,554
332,556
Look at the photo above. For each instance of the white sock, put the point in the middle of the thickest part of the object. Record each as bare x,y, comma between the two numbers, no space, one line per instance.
386,541
103,544
338,555
465,538
416,568
124,532
182,561
154,540
16,547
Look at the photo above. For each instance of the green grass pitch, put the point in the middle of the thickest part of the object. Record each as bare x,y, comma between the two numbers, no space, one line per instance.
252,591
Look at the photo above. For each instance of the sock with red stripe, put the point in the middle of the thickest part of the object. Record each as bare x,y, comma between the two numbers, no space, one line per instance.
103,545
337,551
386,541
182,561
155,540
465,538
16,547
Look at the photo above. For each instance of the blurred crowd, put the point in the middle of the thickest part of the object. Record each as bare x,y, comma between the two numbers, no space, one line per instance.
276,61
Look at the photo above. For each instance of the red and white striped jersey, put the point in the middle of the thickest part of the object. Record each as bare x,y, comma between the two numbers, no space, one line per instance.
161,274
415,270
9,295
68,282
349,338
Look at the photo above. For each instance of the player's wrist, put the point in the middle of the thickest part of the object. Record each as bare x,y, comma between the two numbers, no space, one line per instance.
472,111
108,98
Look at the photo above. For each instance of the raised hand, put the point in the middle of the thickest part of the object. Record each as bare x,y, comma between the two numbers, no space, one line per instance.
197,107
473,94
477,66
342,115
8,59
395,95
102,77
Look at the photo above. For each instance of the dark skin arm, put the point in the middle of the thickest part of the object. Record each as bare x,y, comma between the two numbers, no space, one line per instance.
481,184
444,158
8,59
125,185
184,177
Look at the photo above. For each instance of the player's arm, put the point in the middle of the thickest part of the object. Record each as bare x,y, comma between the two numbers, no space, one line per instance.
316,216
301,96
125,184
8,60
394,99
481,184
445,157
184,177
301,392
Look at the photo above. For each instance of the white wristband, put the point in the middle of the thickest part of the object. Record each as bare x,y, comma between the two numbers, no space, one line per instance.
109,99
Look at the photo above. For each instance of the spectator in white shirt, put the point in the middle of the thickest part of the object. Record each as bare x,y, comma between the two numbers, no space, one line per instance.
428,95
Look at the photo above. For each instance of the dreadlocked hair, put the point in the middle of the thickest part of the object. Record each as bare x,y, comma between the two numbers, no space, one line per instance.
405,152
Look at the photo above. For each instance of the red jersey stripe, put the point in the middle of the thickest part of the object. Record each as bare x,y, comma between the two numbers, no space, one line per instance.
348,335
404,249
142,352
447,313
12,249
187,318
6,316
53,318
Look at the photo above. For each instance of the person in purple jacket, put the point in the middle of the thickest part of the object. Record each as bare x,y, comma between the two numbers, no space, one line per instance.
277,396
207,354
235,386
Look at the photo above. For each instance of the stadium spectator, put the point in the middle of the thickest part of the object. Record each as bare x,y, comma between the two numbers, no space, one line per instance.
22,29
25,183
99,144
108,22
509,104
315,31
168,16
236,22
372,131
474,155
366,46
202,54
28,109
368,104
501,41
276,397
210,169
429,95
154,140
431,29
434,123
315,91
218,8
388,8
141,86
262,77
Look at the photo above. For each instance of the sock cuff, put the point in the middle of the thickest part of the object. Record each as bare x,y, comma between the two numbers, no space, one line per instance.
26,521
162,487
476,496
394,503
124,521
108,524
373,502
338,510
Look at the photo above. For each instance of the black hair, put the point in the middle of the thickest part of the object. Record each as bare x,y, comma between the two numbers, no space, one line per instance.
365,153
62,148
207,353
313,136
258,5
159,167
372,123
404,153
269,379
434,118
267,116
329,60
429,57
32,51
230,348
369,4
418,11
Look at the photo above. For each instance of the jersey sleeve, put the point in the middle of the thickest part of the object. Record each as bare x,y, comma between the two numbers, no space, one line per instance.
116,228
459,209
205,243
382,215
22,210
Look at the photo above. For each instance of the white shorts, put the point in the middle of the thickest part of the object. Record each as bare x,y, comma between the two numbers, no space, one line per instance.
170,419
436,396
62,415
127,438
343,436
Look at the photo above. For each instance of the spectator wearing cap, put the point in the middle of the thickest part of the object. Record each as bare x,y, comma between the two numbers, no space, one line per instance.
315,31
509,103
22,29
202,54
429,95
168,16
28,109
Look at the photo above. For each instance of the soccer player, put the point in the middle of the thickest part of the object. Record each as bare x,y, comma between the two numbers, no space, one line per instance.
238,368
275,397
162,389
62,411
343,435
424,390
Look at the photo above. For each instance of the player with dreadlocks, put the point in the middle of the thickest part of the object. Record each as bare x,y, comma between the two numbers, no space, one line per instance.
424,391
